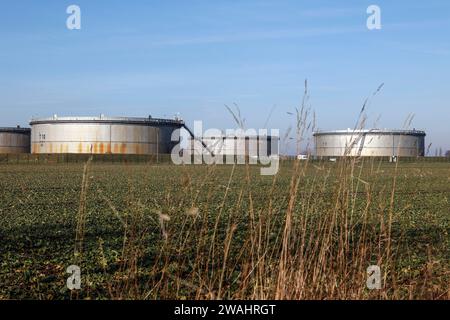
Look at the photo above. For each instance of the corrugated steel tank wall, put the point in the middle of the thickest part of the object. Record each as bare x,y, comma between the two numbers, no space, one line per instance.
370,143
248,146
103,135
14,140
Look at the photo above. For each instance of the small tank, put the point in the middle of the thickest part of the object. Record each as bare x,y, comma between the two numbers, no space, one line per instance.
15,140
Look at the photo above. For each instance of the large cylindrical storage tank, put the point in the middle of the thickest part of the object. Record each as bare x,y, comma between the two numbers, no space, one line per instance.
371,143
103,135
15,140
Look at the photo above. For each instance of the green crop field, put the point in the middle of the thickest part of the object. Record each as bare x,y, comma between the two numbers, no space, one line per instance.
160,231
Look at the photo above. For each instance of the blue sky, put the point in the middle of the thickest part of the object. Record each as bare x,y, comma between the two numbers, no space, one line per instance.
137,58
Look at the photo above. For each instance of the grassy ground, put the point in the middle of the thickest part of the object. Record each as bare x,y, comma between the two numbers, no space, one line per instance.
163,231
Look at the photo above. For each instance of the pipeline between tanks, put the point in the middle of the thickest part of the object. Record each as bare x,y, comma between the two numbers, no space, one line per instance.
198,139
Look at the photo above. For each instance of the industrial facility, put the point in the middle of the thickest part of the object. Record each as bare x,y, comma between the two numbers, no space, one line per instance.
152,136
14,140
370,143
103,135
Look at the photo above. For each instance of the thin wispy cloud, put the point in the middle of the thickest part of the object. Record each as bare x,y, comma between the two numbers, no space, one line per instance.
257,36
330,12
437,51
416,24
423,48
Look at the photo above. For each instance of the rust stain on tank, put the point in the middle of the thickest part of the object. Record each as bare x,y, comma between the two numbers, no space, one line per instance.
116,149
96,148
138,149
108,148
123,148
102,148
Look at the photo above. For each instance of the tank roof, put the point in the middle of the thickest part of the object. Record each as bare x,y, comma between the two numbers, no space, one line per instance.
375,131
104,119
15,129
